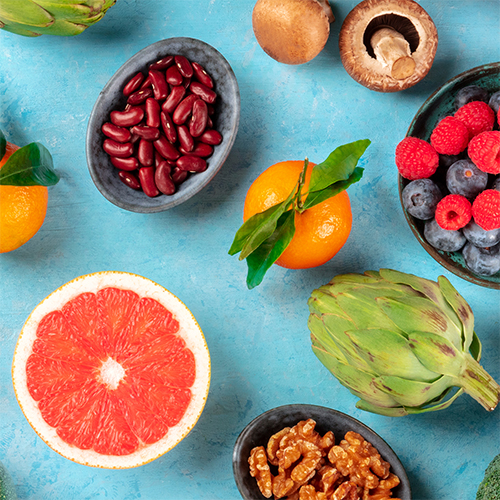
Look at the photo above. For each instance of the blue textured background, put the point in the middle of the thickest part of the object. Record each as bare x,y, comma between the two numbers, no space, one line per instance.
258,340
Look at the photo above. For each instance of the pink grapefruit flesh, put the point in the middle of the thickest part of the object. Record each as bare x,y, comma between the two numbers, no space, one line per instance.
111,370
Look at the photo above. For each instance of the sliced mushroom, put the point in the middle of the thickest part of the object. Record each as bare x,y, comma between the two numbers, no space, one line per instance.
388,45
292,31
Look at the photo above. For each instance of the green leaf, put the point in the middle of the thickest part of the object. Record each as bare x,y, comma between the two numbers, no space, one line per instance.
30,165
263,257
3,145
339,166
317,197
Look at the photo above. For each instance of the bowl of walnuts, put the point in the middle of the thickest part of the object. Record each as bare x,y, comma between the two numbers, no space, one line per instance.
306,451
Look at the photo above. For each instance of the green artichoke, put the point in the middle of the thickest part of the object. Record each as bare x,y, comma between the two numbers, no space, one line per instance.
51,17
399,342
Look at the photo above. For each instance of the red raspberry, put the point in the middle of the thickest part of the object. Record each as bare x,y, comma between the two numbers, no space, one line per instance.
450,136
484,151
416,159
477,116
486,209
453,212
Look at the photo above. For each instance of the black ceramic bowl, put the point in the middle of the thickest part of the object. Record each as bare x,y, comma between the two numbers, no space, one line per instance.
438,105
227,114
259,430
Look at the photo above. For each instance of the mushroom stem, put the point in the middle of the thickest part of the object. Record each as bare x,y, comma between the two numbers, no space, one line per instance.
391,49
327,9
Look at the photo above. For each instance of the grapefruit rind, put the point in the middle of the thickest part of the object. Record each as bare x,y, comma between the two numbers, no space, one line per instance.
189,330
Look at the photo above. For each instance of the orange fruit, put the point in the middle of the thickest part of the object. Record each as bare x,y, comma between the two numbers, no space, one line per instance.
320,232
22,210
111,370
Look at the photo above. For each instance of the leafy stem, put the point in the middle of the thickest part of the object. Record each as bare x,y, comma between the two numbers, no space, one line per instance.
264,237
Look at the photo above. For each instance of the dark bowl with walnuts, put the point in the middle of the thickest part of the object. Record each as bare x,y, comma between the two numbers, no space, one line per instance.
307,448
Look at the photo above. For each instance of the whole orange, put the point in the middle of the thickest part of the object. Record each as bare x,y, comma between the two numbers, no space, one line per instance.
22,210
320,231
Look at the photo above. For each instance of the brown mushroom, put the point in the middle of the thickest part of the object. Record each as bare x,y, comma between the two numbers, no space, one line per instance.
388,45
292,31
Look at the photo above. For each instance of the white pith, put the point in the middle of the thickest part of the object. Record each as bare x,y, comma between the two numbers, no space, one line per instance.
189,330
111,373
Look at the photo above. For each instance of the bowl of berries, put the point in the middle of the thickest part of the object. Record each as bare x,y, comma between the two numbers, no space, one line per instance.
163,125
449,175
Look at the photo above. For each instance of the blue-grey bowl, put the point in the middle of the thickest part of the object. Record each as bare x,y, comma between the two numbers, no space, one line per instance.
259,430
438,105
227,115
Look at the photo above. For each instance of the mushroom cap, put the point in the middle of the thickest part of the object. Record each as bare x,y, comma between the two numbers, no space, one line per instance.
291,31
366,69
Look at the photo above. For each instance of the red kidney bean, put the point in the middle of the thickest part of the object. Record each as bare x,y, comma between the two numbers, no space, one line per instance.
192,164
145,132
145,153
211,137
168,127
166,149
135,138
147,179
118,134
175,97
133,84
179,175
128,118
186,140
118,149
198,122
139,97
210,123
171,163
211,110
184,66
183,109
173,76
201,75
163,63
200,149
160,86
146,83
202,91
152,113
186,82
129,179
130,163
163,180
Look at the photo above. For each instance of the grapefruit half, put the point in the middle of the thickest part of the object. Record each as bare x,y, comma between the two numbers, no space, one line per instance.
111,370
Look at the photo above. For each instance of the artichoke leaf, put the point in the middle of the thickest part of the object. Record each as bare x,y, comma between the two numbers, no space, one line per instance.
412,392
72,10
475,347
322,302
25,12
461,308
321,338
388,353
422,286
418,314
365,313
357,381
436,353
335,326
387,411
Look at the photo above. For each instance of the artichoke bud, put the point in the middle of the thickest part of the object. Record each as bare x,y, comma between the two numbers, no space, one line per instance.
401,343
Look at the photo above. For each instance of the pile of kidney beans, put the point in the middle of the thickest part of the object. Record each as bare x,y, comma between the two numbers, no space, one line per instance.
165,130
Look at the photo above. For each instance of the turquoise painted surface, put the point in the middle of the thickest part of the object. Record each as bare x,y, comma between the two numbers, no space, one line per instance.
258,339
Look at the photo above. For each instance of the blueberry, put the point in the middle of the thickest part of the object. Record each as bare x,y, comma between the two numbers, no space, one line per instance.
464,178
442,239
446,161
420,198
479,236
470,93
482,261
496,184
494,102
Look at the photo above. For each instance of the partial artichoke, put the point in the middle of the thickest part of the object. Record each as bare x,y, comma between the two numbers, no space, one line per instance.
399,342
51,17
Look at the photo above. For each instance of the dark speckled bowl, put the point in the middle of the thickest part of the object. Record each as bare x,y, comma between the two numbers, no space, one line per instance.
259,430
438,105
105,175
